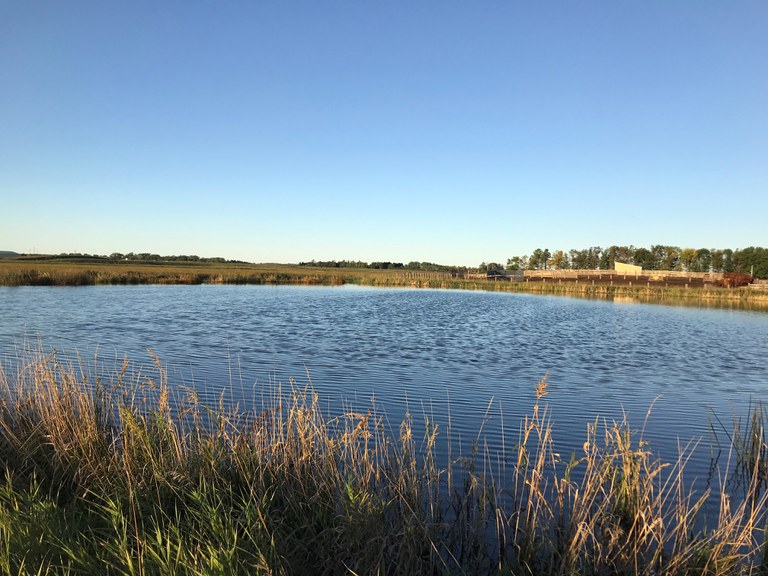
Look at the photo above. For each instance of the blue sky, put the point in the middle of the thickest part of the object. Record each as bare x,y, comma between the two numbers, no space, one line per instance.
454,132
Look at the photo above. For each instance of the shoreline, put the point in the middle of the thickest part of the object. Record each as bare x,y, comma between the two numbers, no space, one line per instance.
14,273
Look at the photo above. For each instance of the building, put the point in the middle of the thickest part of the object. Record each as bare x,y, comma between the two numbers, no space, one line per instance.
625,269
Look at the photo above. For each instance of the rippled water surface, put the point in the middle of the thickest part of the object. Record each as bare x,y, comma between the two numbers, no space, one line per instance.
450,354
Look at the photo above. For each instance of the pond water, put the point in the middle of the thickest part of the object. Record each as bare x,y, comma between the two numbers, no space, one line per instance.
466,357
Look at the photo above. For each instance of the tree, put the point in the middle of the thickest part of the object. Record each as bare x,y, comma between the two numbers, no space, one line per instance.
514,263
728,263
625,254
545,254
586,259
703,260
593,257
688,259
645,259
670,259
752,260
578,259
559,260
717,260
534,262
608,258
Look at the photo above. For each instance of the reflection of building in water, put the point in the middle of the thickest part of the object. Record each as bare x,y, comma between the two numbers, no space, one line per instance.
625,300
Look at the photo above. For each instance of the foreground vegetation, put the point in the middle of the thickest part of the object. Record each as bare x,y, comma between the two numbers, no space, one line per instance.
113,474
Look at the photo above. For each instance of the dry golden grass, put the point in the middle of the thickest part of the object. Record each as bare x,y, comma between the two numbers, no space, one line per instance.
20,273
52,273
117,473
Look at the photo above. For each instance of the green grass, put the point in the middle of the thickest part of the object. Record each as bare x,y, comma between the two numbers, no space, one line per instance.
112,474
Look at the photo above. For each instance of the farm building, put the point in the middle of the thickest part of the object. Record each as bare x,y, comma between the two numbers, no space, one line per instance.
622,268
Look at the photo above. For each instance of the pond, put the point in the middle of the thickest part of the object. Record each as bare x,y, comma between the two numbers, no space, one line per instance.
465,359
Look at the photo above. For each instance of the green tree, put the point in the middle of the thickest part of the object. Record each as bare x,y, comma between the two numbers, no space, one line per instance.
688,259
608,257
624,254
671,260
559,260
703,260
717,260
545,256
752,260
514,263
728,263
658,252
534,262
593,257
645,258
578,259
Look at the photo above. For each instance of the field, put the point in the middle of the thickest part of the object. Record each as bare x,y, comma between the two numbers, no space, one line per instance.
57,273
78,273
113,470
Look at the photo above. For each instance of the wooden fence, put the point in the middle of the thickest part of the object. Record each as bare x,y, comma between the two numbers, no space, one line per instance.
649,277
654,275
663,278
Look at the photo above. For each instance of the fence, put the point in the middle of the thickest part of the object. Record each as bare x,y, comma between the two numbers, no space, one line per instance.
608,274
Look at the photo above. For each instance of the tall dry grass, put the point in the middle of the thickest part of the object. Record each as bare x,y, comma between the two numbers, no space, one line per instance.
45,273
114,473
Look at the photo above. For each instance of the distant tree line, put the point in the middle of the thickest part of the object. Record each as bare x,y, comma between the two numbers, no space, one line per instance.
135,257
752,260
180,258
422,266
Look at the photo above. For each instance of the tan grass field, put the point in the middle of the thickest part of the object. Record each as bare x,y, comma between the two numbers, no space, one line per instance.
21,272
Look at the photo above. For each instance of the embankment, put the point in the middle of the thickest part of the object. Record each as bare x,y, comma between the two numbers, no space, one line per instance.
30,273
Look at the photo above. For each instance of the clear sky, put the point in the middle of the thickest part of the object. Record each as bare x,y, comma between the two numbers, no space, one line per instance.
448,131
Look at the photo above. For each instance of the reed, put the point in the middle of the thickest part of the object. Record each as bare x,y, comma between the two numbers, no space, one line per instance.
109,471
46,273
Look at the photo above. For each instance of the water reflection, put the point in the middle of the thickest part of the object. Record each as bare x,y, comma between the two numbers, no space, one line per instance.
471,358
719,303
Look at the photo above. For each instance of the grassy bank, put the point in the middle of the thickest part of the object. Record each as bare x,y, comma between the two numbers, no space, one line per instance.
112,474
78,274
43,273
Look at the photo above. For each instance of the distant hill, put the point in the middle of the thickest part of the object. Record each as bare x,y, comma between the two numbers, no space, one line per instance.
8,254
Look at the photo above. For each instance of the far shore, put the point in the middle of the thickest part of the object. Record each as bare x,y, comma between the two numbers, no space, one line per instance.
46,273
